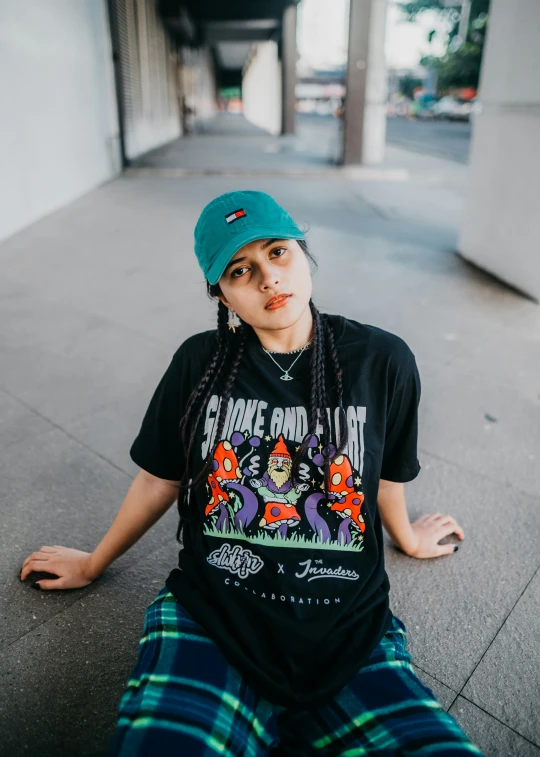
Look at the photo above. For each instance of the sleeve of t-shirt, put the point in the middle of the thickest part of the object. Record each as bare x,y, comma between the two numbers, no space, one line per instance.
400,457
157,447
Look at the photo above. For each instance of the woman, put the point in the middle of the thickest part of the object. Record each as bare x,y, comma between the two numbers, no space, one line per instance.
288,435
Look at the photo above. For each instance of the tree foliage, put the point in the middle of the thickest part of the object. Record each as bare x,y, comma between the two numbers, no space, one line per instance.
412,9
407,85
460,65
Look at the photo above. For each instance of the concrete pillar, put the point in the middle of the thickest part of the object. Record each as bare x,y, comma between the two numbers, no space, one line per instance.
501,222
261,87
365,105
288,68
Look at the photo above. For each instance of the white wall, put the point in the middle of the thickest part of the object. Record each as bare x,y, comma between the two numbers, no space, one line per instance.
261,87
501,227
58,117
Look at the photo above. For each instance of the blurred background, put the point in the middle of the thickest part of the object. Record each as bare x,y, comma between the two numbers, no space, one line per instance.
404,136
92,88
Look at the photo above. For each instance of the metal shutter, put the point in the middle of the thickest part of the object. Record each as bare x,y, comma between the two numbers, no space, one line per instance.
148,73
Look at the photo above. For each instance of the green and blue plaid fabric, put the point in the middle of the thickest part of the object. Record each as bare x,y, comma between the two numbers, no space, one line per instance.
184,699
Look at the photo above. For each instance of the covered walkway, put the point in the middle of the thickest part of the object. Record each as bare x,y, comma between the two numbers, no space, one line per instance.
94,300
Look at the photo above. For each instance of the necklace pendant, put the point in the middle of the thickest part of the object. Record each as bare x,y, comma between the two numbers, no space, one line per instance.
286,377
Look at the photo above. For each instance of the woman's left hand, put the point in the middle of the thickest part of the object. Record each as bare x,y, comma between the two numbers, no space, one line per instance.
428,530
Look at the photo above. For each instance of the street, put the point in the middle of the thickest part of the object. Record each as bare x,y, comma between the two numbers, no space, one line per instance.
442,139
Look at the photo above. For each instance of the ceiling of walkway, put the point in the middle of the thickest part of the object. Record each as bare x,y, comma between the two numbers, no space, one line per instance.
229,28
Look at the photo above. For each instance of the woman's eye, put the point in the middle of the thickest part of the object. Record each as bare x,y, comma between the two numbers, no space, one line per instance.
237,273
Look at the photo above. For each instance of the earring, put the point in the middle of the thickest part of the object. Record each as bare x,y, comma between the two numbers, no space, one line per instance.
234,321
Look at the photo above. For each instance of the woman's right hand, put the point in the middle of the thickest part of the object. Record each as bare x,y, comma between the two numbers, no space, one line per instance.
72,566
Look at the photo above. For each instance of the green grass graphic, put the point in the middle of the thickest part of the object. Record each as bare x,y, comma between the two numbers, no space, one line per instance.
294,540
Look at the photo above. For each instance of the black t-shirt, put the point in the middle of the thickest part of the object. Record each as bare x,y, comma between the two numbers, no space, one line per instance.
290,586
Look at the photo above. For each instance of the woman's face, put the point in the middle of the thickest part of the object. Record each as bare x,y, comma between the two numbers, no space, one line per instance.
268,283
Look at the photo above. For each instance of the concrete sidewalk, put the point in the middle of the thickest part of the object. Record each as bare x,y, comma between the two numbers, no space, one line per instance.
94,300
229,143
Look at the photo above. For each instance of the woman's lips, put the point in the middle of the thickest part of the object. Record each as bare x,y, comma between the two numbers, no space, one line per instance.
277,302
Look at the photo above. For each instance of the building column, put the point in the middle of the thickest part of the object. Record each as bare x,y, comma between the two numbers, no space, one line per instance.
364,134
501,223
288,69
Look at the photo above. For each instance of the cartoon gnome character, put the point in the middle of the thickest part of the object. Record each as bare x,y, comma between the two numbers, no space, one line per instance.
278,491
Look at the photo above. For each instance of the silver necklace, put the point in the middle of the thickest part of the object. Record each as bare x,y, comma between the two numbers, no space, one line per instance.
286,376
292,352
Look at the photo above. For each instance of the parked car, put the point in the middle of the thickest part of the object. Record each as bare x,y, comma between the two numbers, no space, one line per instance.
424,106
399,107
453,108
463,110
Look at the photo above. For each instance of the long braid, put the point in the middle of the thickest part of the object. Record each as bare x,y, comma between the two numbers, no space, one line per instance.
322,395
332,357
226,395
195,407
203,391
323,348
313,406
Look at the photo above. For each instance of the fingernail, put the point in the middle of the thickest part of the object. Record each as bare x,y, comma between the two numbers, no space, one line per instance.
456,547
36,585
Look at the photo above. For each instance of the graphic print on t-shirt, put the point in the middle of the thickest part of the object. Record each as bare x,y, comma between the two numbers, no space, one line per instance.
252,495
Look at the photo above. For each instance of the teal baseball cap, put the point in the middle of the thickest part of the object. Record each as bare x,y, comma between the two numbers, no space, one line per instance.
234,219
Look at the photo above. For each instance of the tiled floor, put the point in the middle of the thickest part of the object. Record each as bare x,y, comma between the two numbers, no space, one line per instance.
94,300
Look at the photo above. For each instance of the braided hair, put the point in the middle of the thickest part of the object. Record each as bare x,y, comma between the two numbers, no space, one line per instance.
220,375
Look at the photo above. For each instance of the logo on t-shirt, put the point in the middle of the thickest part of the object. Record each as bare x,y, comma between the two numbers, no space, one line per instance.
252,494
311,572
236,560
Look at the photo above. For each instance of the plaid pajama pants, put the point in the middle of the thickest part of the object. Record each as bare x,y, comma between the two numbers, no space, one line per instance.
184,699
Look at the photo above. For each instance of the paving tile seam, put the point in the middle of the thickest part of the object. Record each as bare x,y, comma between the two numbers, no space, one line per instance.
30,436
452,703
491,715
531,579
58,427
25,404
431,675
96,453
76,308
71,436
383,214
8,644
107,319
110,403
455,693
493,479
92,588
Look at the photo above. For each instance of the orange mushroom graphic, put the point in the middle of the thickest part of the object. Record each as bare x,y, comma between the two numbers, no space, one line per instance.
224,468
346,501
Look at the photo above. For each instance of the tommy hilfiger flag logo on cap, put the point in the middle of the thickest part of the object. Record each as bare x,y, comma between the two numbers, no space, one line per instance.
231,217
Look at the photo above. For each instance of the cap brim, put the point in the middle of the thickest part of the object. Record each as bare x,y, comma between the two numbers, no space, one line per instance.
215,272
